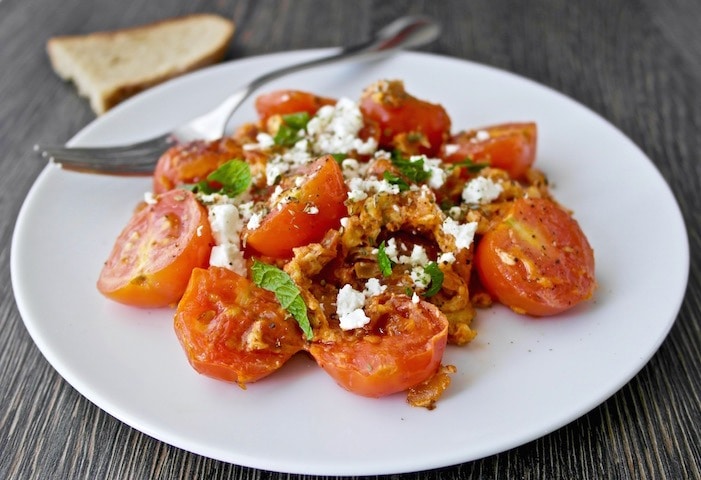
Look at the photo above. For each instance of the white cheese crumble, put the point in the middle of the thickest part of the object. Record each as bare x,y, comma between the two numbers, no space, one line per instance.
264,140
420,277
349,307
418,256
482,135
446,258
278,165
358,188
463,233
451,148
481,190
350,303
373,287
352,168
226,225
150,198
335,129
454,213
254,221
311,209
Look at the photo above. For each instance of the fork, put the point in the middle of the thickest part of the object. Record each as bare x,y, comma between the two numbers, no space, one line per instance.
141,157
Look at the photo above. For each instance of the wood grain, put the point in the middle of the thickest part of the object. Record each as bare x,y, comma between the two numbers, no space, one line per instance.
637,63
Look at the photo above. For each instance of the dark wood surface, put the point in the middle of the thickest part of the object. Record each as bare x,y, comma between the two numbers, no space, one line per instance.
637,63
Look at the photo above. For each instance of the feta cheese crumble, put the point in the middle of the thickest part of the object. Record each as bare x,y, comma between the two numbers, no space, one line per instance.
358,188
350,303
335,128
463,233
349,306
481,190
226,225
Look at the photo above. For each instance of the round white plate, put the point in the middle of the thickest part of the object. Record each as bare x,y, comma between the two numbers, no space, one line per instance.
520,379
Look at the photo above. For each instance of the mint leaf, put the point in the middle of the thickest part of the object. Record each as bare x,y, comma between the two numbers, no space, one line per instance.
288,133
383,261
234,177
436,279
297,120
279,282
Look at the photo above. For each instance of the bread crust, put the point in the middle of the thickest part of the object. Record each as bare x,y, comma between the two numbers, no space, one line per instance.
70,57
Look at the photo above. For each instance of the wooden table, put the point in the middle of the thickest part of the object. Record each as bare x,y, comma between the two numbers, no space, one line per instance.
637,63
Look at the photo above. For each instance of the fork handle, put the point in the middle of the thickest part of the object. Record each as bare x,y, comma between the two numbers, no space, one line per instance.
405,32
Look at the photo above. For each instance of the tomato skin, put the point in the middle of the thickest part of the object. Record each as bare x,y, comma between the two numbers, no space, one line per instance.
233,330
152,258
405,353
401,116
537,260
292,224
509,146
191,162
285,102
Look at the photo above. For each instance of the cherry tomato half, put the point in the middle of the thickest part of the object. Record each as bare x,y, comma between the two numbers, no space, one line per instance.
285,102
304,213
403,348
509,146
536,260
152,258
232,329
406,123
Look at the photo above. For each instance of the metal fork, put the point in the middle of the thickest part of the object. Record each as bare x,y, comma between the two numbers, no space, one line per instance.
141,157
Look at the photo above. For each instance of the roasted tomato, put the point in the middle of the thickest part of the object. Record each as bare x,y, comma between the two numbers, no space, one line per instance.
401,347
285,102
232,329
509,146
312,204
152,258
406,123
192,162
536,260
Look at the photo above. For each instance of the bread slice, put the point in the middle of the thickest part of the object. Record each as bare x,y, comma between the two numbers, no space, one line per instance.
108,67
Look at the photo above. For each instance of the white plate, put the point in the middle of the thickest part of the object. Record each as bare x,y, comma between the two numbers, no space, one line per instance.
520,379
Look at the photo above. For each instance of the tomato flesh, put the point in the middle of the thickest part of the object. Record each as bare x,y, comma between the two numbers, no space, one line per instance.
233,330
403,349
152,258
305,213
509,146
537,260
406,123
285,102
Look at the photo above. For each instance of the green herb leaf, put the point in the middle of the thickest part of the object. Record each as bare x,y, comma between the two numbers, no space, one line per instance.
288,133
279,282
412,169
339,157
297,120
471,166
436,279
383,261
234,177
395,180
